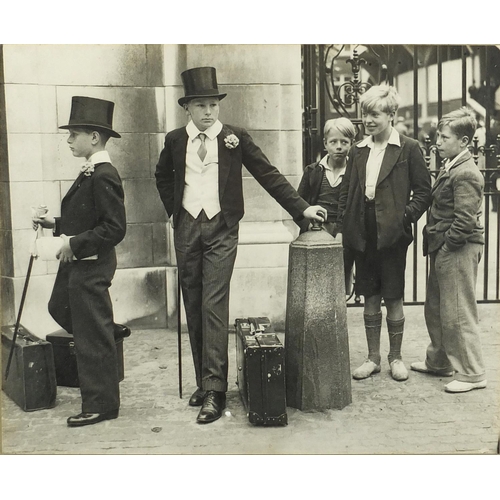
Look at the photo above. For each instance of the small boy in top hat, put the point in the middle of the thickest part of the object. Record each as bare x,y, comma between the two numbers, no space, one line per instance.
199,179
91,224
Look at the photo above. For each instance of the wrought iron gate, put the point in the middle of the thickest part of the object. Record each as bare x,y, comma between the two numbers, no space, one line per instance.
335,76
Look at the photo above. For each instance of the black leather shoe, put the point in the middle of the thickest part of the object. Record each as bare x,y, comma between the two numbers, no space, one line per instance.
212,407
91,418
197,398
121,331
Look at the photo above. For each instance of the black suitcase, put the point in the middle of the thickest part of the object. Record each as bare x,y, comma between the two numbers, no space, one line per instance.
65,358
261,371
31,383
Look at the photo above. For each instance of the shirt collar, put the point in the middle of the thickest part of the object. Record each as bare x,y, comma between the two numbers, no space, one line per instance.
450,163
393,139
211,132
324,163
100,157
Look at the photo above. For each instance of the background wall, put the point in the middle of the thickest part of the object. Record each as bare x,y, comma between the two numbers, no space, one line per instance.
36,166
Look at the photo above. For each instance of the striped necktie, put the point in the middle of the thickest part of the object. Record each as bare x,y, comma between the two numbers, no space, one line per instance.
202,150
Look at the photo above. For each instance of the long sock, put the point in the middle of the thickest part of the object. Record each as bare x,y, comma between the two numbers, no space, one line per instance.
373,325
396,329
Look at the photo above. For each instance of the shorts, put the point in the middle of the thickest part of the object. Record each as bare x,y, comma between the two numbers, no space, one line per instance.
379,272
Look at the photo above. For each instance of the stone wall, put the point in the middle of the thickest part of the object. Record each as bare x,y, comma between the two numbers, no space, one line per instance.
264,95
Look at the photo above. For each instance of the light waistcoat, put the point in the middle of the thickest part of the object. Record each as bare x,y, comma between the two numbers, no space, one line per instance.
201,190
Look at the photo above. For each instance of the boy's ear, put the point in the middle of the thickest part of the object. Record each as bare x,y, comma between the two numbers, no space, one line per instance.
464,141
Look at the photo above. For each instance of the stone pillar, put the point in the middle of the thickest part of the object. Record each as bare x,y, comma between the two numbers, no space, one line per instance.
316,342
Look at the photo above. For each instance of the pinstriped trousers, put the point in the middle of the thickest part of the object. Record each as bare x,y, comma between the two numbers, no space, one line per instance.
206,252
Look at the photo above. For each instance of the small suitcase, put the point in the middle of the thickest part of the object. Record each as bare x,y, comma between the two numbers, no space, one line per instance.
261,371
31,383
65,358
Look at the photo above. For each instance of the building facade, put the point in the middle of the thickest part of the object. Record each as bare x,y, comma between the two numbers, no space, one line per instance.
37,82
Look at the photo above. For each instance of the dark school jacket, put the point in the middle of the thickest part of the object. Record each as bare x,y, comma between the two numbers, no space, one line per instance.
402,195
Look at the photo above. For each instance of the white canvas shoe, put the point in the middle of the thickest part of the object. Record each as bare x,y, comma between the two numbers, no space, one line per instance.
457,386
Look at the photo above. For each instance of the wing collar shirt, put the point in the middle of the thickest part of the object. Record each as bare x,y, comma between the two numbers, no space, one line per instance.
100,157
374,161
201,190
334,177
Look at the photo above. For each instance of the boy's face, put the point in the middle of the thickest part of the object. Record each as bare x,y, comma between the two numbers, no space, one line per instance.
449,144
204,111
376,121
337,144
81,142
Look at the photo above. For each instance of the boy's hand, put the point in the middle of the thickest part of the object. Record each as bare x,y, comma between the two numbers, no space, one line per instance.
41,216
315,212
65,254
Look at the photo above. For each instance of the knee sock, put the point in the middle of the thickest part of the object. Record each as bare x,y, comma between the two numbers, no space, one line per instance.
396,329
373,325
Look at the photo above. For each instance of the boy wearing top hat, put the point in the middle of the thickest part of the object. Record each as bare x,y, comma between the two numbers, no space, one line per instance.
92,223
199,180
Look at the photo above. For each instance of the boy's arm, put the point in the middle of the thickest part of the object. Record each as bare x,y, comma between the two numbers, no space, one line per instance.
270,178
165,177
468,187
110,209
420,185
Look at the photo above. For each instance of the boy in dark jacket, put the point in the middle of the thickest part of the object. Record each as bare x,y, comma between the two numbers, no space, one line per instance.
385,189
92,223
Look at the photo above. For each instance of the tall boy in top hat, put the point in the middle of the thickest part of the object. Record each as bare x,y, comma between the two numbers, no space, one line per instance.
199,180
92,223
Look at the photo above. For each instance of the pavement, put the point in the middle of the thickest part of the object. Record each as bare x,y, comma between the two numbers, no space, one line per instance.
385,417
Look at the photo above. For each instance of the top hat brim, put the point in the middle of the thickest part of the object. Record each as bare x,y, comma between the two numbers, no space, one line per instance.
187,98
92,126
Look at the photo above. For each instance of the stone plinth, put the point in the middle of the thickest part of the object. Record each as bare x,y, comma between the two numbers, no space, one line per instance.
316,342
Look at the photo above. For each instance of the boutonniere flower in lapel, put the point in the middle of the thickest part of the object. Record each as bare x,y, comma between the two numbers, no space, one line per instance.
231,141
87,168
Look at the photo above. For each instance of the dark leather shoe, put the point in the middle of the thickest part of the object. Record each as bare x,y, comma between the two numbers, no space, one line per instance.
121,331
212,407
197,398
91,418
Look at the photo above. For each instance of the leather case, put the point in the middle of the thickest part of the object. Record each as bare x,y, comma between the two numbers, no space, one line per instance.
31,383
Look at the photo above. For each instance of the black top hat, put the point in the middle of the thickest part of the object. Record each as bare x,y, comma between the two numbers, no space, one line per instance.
199,82
90,112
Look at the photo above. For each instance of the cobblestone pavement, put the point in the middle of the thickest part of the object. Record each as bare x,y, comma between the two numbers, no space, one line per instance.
385,417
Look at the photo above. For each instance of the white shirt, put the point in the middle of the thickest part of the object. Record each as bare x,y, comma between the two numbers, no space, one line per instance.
374,162
100,157
201,190
450,164
334,177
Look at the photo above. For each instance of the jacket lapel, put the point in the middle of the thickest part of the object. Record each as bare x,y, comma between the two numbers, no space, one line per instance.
74,187
179,159
361,159
390,159
224,161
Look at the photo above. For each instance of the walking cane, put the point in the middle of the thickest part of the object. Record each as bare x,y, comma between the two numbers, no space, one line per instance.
18,321
33,256
179,352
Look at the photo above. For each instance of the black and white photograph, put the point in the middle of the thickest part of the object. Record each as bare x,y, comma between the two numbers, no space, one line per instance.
238,249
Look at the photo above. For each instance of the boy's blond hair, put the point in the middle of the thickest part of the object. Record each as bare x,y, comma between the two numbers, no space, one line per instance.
462,123
383,97
343,125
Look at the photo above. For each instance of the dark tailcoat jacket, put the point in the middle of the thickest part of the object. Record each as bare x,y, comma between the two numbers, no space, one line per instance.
402,195
171,167
93,212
